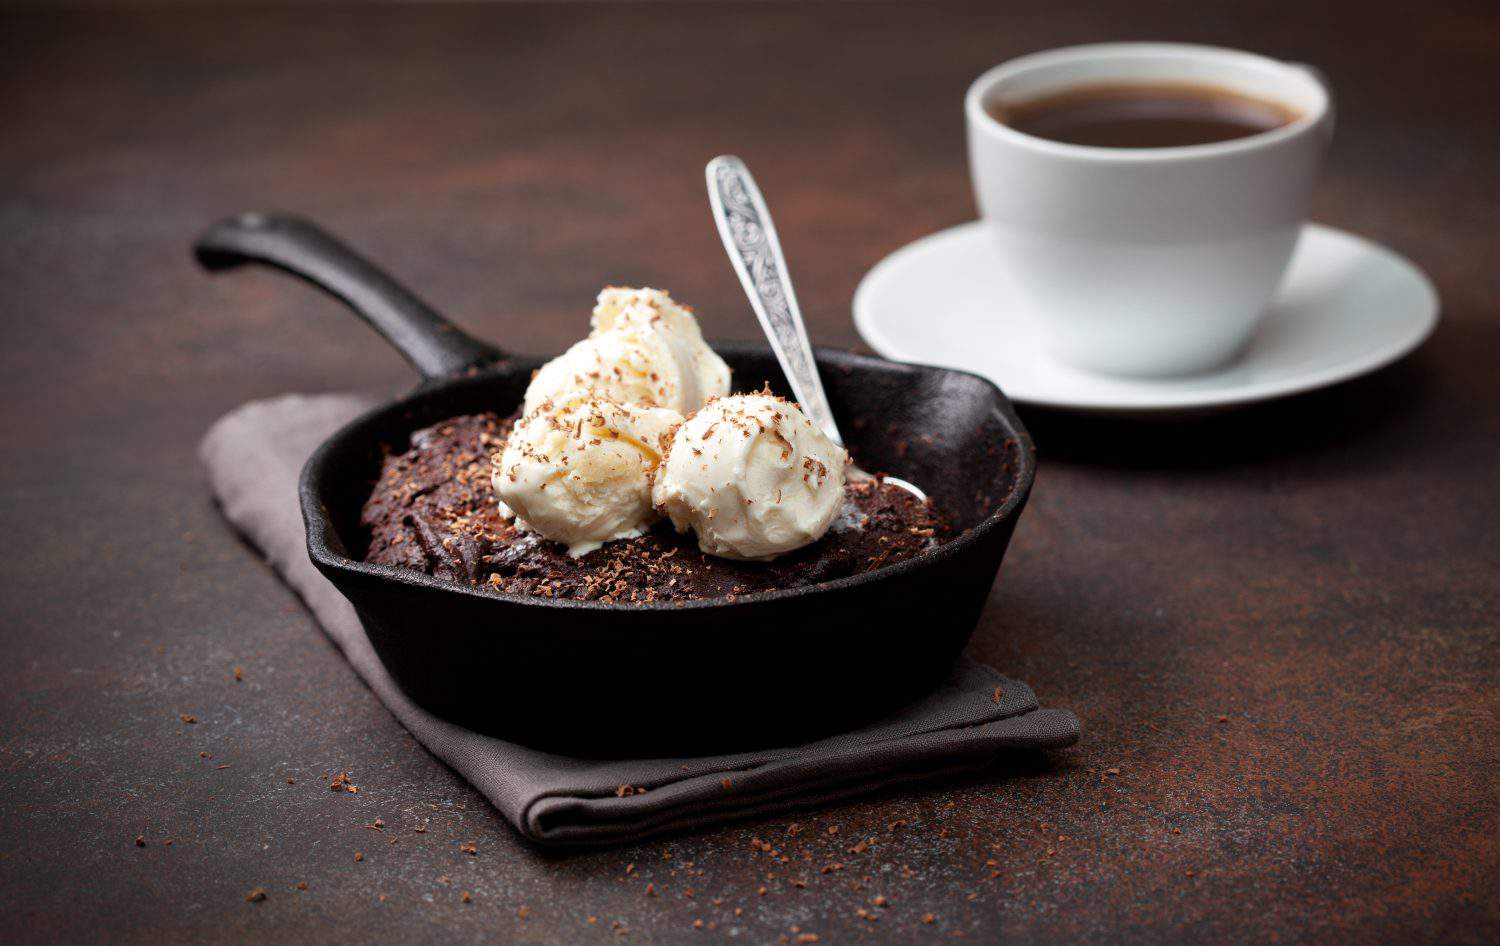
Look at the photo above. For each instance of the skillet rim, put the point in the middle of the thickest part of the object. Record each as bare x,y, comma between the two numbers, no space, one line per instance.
315,520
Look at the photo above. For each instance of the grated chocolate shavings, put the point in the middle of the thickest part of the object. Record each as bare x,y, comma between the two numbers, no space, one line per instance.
434,510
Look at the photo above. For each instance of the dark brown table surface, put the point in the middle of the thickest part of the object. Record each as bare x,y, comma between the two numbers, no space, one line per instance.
1278,626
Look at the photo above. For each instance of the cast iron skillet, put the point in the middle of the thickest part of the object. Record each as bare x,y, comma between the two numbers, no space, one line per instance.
711,675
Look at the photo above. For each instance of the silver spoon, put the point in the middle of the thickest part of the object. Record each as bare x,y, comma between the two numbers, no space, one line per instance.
750,238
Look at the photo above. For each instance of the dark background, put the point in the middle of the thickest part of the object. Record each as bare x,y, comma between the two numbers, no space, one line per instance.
1322,573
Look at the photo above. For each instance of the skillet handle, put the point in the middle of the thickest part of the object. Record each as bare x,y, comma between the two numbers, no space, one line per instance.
435,347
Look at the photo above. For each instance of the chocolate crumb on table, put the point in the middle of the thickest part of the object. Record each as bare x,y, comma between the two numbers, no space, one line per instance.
433,510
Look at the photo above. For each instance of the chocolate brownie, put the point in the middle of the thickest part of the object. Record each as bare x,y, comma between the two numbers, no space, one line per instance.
433,510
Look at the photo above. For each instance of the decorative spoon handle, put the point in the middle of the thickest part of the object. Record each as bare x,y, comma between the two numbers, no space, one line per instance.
750,237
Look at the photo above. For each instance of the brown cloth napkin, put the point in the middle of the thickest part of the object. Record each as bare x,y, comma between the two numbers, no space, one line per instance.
254,456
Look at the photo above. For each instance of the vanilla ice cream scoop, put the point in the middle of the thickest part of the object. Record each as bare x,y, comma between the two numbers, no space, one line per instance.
644,349
578,471
752,477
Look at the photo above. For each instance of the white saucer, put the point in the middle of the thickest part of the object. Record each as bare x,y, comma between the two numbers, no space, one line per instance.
1347,307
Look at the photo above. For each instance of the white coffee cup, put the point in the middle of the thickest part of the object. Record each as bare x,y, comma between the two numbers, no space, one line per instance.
1146,261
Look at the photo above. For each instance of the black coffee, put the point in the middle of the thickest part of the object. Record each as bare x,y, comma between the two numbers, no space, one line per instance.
1143,115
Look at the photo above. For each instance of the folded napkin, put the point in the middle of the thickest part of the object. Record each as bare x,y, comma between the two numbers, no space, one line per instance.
254,456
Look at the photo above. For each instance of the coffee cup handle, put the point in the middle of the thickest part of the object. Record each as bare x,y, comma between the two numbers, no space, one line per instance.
1321,78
